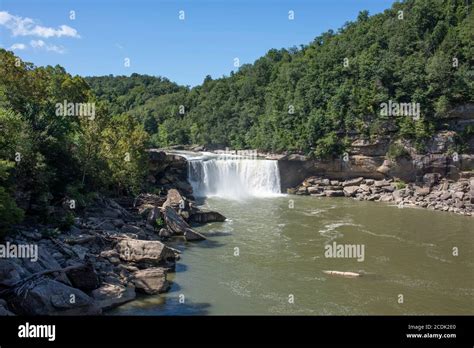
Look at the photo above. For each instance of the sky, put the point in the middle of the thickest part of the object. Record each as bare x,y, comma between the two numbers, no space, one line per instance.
99,35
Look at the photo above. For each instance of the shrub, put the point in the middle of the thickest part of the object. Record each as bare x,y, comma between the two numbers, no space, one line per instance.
397,151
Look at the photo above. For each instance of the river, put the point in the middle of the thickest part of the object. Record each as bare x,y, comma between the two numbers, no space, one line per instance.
269,257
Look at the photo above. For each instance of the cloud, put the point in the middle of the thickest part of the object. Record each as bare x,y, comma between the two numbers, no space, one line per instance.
18,46
23,26
40,44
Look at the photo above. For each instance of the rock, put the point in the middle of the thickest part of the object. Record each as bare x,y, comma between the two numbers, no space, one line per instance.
50,297
379,147
202,216
365,187
386,198
173,199
153,215
4,312
10,273
445,196
335,183
191,235
431,179
380,183
112,295
385,167
302,190
334,193
164,233
353,182
422,191
373,197
151,280
131,229
440,142
389,188
369,182
459,195
350,191
178,226
135,250
84,278
313,189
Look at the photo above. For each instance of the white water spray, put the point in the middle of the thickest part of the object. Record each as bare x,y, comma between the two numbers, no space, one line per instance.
233,178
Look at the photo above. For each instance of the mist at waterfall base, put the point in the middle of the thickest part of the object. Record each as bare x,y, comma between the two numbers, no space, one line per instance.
281,253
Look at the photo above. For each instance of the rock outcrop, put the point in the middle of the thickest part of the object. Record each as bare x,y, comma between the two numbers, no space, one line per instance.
433,193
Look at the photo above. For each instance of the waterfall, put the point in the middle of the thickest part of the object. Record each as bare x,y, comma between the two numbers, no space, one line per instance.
233,178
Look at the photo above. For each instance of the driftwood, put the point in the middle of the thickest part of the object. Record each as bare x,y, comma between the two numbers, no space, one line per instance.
80,240
343,274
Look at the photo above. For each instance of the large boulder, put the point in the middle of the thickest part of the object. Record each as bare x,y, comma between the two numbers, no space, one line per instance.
134,250
10,273
178,226
151,280
350,191
202,216
45,296
174,199
84,278
113,295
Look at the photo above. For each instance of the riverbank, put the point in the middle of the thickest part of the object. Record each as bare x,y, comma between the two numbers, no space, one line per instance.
111,253
433,193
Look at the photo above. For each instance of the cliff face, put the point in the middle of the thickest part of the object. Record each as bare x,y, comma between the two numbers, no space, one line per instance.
371,159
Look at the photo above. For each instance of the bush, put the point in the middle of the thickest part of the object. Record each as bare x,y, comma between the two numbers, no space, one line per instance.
399,184
397,151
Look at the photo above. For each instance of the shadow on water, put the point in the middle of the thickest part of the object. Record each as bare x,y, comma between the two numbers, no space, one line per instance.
180,267
162,305
217,234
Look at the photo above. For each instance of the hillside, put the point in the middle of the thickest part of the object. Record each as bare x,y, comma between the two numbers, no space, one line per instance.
311,99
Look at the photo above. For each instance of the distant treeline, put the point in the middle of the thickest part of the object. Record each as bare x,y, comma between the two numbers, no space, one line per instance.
309,99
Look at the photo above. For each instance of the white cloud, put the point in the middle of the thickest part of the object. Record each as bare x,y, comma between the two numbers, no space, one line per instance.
23,26
40,44
18,46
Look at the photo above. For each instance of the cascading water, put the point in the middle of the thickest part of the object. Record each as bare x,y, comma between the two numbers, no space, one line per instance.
233,178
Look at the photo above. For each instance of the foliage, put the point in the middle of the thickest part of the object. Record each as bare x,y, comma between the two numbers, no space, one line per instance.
297,99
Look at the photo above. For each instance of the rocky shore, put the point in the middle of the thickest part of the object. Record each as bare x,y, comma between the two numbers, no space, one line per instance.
114,250
432,193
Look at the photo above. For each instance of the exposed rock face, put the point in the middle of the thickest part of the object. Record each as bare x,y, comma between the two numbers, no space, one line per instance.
151,280
369,158
50,297
169,171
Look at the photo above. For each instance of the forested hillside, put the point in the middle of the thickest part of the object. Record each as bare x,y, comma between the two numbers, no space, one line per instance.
311,98
47,158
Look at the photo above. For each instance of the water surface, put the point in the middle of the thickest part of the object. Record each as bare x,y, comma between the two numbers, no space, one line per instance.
281,253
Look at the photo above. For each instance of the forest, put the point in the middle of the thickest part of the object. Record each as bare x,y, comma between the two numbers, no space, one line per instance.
309,99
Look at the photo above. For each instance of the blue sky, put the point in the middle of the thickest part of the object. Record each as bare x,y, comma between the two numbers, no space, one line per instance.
157,42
